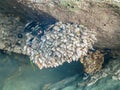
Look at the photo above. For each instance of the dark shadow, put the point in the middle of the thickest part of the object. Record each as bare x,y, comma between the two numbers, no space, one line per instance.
107,56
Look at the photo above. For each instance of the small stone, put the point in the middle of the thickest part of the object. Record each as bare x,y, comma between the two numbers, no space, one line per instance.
114,78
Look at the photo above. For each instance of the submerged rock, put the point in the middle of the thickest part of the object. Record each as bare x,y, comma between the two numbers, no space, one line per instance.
111,70
93,61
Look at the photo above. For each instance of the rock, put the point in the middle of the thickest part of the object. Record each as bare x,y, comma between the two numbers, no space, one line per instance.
10,34
93,61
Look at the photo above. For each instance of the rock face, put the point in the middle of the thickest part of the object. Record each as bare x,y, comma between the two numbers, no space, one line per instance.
11,33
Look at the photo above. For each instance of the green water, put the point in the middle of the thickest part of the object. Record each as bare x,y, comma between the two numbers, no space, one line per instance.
16,73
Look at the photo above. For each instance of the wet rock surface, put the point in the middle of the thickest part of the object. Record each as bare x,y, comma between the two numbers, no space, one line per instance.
93,61
12,36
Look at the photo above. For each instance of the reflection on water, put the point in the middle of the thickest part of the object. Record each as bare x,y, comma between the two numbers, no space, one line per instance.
16,73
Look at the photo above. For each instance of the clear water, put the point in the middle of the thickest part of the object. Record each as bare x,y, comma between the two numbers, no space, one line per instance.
16,73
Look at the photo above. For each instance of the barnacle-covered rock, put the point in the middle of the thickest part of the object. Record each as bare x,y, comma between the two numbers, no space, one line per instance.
63,42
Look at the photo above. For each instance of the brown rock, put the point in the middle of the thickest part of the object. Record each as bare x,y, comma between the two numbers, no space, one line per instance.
93,62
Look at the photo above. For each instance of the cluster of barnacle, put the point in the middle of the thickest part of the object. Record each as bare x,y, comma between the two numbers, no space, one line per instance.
63,42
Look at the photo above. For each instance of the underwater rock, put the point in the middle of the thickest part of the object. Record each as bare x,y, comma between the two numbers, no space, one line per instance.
93,61
112,70
63,42
11,33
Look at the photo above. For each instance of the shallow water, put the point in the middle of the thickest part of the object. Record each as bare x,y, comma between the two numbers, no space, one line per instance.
16,73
